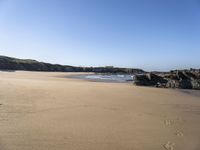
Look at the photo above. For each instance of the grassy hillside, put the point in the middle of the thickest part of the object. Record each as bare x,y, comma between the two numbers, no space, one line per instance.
9,63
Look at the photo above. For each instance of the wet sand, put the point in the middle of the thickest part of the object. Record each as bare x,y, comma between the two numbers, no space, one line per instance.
44,111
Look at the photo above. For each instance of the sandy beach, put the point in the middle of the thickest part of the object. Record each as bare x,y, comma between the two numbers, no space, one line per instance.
45,111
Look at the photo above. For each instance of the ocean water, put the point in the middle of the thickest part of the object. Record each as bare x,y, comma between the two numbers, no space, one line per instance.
106,77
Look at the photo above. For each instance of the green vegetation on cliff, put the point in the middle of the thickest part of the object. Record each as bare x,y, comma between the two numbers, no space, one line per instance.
9,63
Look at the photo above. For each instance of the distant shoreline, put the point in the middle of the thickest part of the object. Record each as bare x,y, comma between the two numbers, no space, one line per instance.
12,64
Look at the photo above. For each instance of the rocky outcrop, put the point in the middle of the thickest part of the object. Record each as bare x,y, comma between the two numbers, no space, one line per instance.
149,79
183,79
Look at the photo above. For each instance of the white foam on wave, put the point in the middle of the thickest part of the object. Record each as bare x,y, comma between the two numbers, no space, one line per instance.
119,78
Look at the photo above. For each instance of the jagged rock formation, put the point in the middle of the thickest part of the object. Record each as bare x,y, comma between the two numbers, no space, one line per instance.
183,79
9,63
149,79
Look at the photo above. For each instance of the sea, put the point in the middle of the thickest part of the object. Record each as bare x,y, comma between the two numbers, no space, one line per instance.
119,78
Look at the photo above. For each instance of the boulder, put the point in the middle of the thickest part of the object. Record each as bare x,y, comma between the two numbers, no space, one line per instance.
195,84
142,79
172,84
185,84
155,79
149,79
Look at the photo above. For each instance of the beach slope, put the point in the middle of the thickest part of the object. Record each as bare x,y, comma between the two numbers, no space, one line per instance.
45,111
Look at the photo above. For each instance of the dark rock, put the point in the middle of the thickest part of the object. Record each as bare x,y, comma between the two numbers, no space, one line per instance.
149,79
185,84
181,75
142,80
183,79
156,79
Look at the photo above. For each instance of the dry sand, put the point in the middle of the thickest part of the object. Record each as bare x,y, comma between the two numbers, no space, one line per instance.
41,111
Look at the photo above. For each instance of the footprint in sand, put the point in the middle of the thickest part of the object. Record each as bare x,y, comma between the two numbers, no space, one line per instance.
169,145
179,133
168,122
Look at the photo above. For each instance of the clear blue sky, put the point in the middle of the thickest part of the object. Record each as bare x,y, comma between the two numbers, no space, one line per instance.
147,34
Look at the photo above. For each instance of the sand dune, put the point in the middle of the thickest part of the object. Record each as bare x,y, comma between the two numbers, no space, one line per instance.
44,111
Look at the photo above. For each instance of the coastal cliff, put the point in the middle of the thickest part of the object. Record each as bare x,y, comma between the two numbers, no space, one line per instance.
9,63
